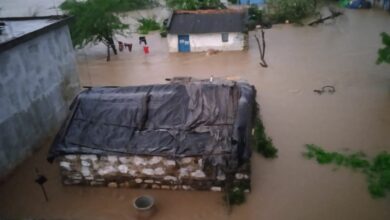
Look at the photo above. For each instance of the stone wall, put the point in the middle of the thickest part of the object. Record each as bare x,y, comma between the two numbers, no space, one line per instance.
38,80
188,173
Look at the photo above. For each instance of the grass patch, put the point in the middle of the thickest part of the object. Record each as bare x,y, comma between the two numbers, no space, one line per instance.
377,169
263,143
147,25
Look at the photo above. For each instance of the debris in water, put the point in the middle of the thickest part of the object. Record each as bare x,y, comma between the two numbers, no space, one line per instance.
41,179
328,89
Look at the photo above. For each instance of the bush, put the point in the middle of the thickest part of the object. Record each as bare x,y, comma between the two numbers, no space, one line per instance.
147,25
291,10
251,25
384,53
255,14
263,143
236,196
377,170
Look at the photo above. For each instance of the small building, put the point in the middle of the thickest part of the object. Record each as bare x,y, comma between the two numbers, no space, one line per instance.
188,134
252,2
38,81
203,30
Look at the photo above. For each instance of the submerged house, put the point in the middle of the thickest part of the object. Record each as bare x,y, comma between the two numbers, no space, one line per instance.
202,30
252,2
188,134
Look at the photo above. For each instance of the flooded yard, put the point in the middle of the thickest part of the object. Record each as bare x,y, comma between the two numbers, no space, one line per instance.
356,117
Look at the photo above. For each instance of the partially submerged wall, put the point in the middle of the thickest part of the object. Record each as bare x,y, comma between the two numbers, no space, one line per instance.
205,42
188,173
38,80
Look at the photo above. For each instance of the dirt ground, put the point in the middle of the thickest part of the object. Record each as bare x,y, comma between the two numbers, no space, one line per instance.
355,117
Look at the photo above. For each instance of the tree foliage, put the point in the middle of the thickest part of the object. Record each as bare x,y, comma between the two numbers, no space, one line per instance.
193,4
377,169
94,21
291,10
147,25
129,5
384,53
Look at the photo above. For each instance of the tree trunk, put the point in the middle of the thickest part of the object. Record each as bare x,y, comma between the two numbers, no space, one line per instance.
112,44
263,63
108,53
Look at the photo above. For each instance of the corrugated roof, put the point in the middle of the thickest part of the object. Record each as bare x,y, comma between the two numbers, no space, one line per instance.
207,21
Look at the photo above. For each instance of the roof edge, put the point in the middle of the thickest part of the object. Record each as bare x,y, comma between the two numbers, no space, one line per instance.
62,20
209,11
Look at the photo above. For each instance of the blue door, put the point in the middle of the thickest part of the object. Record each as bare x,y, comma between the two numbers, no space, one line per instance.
252,2
184,43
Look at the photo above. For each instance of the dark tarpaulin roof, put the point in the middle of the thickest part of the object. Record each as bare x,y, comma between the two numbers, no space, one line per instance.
193,118
187,23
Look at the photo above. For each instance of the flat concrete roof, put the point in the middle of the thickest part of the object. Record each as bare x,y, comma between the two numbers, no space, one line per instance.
20,29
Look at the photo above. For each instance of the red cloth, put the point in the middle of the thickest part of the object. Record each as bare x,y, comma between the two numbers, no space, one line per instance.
146,49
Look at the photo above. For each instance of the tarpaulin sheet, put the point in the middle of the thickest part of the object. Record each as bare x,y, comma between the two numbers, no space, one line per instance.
183,118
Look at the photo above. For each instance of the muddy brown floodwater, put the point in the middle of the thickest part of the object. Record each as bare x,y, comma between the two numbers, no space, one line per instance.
356,117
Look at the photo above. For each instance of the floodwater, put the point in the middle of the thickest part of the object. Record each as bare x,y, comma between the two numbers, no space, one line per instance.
355,117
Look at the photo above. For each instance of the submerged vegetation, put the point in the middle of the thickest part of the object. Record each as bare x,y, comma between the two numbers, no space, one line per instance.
147,25
236,196
384,53
291,10
263,143
377,169
194,4
95,21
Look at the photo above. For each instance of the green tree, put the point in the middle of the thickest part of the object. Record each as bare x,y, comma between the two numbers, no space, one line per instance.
384,53
193,4
292,10
94,22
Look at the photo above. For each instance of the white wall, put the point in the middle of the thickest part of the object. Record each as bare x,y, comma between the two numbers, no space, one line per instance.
204,42
173,43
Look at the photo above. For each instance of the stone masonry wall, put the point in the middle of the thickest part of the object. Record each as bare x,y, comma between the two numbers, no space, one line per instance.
188,173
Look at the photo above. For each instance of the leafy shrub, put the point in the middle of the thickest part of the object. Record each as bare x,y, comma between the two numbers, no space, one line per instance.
263,143
163,31
255,14
377,170
193,4
251,25
292,10
384,53
147,25
255,17
236,196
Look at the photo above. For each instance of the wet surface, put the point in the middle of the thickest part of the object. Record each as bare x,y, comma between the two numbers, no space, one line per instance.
355,117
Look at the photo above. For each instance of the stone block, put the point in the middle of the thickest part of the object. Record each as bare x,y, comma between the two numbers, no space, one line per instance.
159,171
198,174
65,165
71,157
123,168
216,189
155,160
147,171
112,185
85,163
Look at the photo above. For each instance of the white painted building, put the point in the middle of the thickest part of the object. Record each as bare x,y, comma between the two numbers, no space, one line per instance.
203,30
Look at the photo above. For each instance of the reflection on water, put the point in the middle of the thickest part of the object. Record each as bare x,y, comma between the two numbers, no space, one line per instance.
355,117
